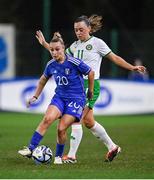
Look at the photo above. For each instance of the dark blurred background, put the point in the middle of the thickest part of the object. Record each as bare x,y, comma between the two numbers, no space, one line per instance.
128,29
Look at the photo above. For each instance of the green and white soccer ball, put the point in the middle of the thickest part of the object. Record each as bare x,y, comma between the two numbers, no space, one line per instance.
42,155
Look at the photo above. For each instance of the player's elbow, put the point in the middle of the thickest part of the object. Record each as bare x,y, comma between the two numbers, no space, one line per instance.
91,74
113,57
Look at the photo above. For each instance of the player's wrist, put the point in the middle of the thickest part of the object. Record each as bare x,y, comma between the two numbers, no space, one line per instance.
35,97
44,43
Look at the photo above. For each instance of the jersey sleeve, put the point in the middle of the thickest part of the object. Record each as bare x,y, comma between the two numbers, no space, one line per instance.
70,50
84,68
102,48
46,72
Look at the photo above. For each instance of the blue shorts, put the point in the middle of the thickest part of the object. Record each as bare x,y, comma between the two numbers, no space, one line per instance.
69,106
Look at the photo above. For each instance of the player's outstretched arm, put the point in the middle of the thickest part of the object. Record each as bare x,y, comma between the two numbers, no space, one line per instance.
122,63
41,39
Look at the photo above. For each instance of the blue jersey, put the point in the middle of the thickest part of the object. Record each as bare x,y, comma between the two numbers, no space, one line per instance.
68,76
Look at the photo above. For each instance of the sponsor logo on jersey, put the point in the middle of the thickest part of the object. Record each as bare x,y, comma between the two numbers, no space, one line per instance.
74,111
89,47
55,71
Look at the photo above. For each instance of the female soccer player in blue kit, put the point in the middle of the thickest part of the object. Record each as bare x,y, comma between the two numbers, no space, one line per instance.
69,99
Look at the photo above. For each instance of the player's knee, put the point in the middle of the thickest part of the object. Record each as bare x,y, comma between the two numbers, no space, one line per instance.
61,130
47,120
88,122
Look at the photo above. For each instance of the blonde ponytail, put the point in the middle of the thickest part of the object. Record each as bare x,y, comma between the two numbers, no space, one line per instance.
95,22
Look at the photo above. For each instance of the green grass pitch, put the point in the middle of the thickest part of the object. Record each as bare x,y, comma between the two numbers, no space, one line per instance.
135,134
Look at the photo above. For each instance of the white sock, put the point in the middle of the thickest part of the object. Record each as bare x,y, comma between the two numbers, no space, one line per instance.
99,131
76,136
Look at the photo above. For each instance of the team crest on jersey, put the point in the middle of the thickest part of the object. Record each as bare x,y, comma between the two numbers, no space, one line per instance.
89,47
67,71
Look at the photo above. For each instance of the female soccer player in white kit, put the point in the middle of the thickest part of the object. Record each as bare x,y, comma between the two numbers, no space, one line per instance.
91,50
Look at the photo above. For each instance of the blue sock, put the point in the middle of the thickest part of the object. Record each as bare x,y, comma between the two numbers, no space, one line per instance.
59,150
36,138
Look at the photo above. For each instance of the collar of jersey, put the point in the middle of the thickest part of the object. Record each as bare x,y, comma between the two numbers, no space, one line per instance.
86,40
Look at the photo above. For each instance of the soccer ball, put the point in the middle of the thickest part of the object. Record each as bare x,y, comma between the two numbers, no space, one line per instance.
42,155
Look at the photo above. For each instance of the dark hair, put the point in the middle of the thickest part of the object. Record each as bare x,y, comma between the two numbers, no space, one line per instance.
83,18
94,21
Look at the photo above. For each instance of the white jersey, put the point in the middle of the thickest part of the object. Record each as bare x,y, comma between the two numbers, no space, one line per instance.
91,52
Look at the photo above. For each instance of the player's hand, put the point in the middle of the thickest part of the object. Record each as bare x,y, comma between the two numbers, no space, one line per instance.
89,94
40,37
140,69
31,101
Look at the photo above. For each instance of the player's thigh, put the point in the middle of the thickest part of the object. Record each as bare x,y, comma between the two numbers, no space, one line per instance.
50,116
53,112
55,108
85,112
88,117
